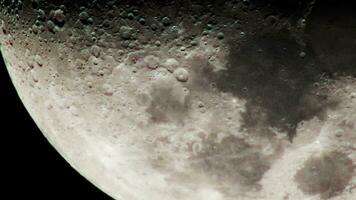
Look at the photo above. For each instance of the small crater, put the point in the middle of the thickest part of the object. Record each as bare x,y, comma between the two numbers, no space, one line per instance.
152,62
181,74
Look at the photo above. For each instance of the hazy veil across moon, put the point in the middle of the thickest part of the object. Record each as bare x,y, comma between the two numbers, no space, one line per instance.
192,100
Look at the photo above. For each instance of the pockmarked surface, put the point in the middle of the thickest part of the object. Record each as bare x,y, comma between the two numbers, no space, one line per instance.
201,100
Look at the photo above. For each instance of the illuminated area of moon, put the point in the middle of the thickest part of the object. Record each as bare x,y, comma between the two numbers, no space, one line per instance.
192,100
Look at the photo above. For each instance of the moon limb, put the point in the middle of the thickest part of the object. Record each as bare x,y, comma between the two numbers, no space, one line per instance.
201,126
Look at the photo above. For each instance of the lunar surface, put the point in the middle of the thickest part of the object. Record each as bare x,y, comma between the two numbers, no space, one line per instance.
192,99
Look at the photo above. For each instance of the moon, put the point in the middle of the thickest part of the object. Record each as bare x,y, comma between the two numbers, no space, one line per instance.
191,99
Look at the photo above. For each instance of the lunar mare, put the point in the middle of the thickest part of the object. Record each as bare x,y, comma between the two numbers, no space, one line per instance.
232,100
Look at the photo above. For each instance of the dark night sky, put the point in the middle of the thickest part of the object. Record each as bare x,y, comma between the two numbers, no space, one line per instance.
32,168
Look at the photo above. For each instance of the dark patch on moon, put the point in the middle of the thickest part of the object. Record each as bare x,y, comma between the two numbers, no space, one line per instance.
231,160
332,34
276,82
326,175
168,103
276,73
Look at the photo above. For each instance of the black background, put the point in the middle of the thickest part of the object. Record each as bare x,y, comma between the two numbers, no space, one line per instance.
33,169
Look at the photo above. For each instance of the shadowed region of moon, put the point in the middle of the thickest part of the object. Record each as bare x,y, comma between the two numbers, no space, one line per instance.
276,75
332,36
275,81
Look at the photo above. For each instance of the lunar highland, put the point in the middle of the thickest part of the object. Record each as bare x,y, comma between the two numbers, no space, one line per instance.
192,99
